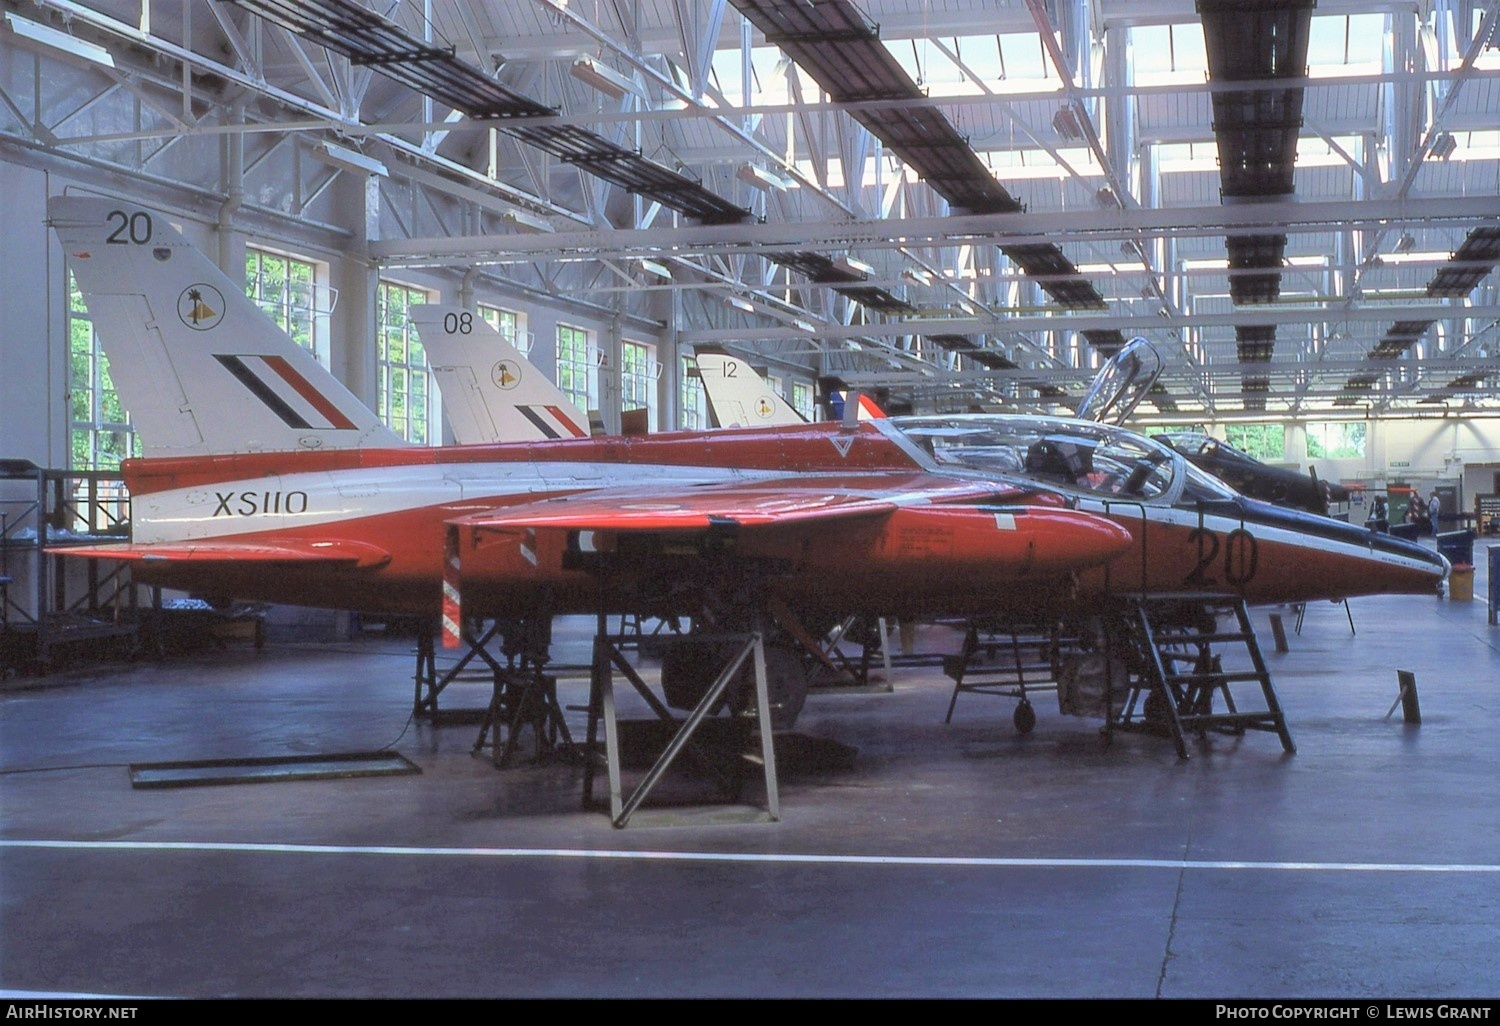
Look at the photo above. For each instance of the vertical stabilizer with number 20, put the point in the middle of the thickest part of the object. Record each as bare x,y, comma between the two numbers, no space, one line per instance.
201,368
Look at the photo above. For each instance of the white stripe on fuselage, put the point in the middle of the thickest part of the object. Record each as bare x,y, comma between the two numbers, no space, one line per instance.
279,502
1125,513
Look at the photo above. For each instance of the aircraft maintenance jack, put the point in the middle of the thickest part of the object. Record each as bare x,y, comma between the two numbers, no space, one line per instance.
685,735
524,695
983,668
1174,674
832,668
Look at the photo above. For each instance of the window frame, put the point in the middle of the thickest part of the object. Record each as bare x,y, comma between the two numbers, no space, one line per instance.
637,380
87,436
574,346
412,367
281,310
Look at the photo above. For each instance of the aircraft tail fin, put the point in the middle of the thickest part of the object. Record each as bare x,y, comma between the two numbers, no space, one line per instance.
738,396
201,368
865,408
491,392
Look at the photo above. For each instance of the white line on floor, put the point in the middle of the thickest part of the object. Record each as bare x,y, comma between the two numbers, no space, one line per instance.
780,857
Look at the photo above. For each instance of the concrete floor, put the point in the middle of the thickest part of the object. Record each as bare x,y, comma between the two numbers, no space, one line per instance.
957,860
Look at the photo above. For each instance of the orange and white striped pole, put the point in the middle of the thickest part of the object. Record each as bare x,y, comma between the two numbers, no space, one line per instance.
452,608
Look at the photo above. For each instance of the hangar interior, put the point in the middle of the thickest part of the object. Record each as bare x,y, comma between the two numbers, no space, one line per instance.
1295,203
949,206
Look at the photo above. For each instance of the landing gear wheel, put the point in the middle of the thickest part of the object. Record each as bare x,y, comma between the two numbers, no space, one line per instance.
1024,717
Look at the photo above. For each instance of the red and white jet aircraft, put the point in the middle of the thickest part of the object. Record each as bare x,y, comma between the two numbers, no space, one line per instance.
973,516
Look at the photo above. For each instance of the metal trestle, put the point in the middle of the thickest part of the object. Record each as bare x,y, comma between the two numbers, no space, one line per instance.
748,723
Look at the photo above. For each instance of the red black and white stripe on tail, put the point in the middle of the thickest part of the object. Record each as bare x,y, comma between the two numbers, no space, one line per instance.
552,421
286,392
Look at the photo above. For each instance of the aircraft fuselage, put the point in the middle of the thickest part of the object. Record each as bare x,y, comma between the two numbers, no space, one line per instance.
970,543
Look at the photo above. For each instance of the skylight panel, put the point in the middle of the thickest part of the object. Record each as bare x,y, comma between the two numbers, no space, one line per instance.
1163,54
1346,44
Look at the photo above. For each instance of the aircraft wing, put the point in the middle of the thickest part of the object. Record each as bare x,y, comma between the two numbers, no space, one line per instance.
356,554
742,504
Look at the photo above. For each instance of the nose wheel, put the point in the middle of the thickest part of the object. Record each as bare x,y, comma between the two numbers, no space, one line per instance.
1024,717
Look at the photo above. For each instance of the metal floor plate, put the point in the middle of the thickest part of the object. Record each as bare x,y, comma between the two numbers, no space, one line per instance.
256,771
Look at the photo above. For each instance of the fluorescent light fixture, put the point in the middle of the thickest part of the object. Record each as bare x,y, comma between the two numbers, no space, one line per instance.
740,304
758,177
661,271
1065,123
602,77
524,222
1418,257
1405,243
851,266
350,160
48,36
917,275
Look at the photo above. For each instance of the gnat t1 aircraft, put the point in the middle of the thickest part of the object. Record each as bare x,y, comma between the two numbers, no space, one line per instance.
968,516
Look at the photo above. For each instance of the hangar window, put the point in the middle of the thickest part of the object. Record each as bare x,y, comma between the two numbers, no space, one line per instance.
287,289
692,403
802,398
408,402
509,324
99,430
576,373
638,373
1260,441
1336,440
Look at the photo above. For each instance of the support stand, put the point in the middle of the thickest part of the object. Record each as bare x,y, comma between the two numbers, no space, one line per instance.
1406,698
609,657
840,669
1301,609
983,668
429,683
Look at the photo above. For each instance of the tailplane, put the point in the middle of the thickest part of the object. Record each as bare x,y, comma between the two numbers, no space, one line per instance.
201,368
491,393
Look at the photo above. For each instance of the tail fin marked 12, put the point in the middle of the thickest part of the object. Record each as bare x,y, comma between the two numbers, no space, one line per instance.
738,396
201,368
491,392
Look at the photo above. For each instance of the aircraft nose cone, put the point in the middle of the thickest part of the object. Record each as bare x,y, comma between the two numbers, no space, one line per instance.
1076,540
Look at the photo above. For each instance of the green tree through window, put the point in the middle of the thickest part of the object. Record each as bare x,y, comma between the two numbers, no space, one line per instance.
286,289
99,431
637,380
574,372
1336,440
405,388
1264,442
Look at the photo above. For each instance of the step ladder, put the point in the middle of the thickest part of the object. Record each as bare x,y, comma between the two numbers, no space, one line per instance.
1177,684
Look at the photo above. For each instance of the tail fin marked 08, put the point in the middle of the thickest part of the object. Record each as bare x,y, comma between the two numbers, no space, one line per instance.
201,368
491,392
